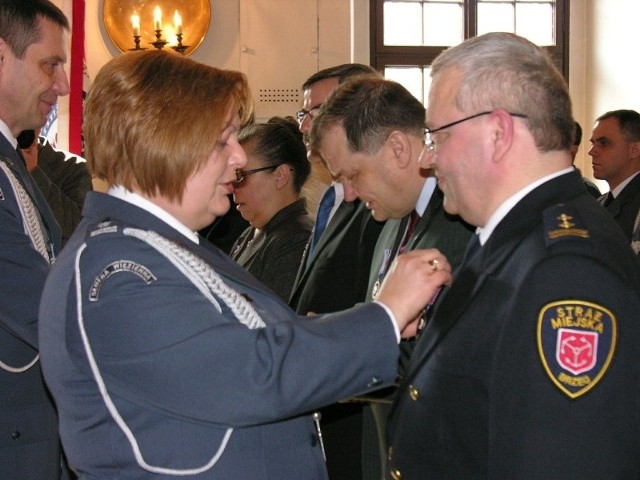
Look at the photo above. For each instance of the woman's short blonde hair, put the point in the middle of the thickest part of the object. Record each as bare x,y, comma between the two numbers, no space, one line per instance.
153,118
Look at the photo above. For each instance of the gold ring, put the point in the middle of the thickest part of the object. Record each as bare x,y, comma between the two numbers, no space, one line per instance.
434,264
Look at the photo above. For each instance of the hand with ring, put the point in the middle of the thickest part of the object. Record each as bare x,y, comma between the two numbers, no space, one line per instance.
409,286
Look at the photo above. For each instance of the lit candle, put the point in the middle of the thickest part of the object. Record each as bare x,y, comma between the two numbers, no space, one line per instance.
177,21
157,18
135,23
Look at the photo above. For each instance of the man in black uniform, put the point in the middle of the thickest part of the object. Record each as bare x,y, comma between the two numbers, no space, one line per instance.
529,367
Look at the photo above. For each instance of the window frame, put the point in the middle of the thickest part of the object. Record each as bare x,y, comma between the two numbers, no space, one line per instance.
383,56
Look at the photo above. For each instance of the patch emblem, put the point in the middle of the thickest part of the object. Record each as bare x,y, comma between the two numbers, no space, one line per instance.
576,342
116,267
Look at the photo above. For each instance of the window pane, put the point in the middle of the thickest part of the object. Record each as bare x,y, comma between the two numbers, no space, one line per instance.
402,23
535,22
411,78
495,17
443,24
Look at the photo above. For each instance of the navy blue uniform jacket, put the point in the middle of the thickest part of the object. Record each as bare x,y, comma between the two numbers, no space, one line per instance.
29,444
529,367
153,372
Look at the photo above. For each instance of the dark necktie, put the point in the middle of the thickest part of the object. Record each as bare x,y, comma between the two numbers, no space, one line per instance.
411,227
608,198
322,218
472,248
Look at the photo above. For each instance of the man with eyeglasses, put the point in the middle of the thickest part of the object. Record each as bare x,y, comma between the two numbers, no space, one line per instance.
529,366
334,271
370,132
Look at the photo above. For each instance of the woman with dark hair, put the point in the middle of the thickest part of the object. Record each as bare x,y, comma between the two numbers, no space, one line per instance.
267,194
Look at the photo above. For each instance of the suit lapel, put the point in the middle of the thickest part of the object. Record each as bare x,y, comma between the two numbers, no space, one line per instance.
336,226
628,194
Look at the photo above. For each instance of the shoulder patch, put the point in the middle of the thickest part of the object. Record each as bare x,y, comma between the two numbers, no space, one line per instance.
119,266
563,221
576,342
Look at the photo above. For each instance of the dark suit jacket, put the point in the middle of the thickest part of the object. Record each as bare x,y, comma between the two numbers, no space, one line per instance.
29,445
625,206
151,354
534,347
338,273
64,181
337,278
273,256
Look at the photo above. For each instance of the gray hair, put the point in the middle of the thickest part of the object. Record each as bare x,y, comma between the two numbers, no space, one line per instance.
503,70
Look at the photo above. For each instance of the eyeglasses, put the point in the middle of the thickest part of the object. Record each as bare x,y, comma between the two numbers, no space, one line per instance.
313,113
430,141
241,175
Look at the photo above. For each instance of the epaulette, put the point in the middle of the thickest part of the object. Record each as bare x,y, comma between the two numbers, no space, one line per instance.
562,222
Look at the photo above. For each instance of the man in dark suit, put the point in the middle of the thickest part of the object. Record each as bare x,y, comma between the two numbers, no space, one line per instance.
615,154
334,272
535,346
32,77
370,133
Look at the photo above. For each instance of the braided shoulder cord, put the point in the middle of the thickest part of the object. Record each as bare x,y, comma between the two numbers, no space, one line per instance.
201,275
34,231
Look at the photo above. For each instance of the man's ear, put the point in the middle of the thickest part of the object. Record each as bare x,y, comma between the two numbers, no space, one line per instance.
398,144
634,149
502,132
3,50
283,175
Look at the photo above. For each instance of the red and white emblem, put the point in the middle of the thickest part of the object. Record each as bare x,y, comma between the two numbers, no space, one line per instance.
577,350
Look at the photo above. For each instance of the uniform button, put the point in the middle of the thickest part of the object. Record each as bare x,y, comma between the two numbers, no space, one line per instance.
414,393
375,381
395,474
15,435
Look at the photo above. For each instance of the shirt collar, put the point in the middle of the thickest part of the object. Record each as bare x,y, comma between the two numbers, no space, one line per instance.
506,206
6,132
425,195
616,191
122,193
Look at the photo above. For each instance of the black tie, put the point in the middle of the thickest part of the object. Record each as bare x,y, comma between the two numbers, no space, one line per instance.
472,248
608,198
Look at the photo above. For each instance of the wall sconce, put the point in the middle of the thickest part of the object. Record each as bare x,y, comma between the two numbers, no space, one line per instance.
138,24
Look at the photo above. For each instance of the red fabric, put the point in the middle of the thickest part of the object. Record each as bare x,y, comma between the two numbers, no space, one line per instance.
76,76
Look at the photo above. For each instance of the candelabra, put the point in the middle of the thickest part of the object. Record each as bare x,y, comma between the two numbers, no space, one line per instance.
159,42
